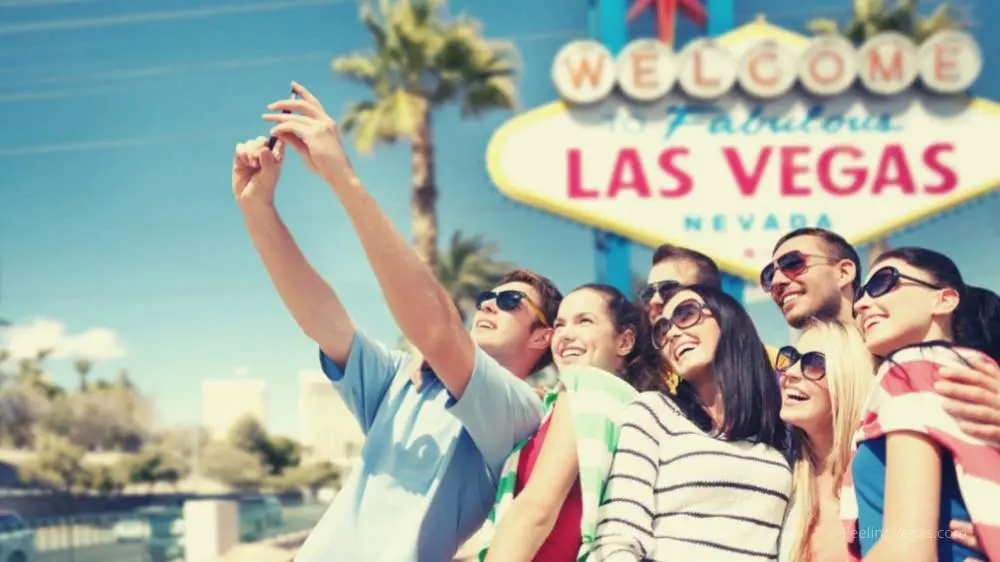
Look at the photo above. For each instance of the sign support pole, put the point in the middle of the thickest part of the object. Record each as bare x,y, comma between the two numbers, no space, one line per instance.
609,25
721,20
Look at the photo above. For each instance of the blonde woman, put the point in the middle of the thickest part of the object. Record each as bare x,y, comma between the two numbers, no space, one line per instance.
825,383
825,380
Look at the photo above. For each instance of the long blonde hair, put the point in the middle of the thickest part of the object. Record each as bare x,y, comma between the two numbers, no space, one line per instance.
849,376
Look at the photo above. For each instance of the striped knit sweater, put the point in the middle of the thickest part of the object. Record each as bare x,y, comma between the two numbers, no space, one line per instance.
597,400
904,400
678,493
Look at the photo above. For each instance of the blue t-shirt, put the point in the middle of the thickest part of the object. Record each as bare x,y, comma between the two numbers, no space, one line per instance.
429,466
868,471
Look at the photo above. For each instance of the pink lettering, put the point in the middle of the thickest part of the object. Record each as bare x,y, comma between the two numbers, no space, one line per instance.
893,171
932,159
746,182
574,163
628,165
857,174
683,179
790,171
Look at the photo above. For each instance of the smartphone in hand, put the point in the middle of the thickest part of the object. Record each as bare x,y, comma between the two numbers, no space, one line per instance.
274,140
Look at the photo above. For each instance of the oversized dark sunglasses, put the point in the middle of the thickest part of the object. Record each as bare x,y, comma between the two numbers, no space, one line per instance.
508,301
659,288
687,314
792,264
813,363
885,280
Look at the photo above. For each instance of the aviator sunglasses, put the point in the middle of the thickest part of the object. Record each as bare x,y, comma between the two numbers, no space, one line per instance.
885,280
508,301
659,288
792,264
813,363
687,314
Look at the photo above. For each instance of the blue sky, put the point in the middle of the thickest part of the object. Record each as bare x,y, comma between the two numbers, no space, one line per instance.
119,122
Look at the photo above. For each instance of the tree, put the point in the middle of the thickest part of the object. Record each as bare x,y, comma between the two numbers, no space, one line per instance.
58,463
22,408
281,453
232,466
82,367
275,453
871,17
423,58
468,268
247,434
105,418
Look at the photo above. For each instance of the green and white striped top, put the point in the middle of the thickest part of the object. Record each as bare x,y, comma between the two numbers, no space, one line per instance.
597,399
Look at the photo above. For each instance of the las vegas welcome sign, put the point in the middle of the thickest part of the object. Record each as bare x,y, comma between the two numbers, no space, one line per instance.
729,143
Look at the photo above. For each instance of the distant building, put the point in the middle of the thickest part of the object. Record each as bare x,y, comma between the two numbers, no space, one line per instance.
224,401
327,428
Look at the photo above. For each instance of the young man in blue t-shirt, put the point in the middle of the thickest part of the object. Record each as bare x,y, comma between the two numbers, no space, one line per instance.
439,423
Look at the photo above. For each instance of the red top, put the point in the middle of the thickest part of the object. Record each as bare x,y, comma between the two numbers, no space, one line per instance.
563,543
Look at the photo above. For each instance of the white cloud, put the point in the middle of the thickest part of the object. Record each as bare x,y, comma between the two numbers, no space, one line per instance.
96,344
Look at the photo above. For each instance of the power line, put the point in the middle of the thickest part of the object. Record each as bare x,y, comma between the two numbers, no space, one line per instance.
41,3
129,76
155,17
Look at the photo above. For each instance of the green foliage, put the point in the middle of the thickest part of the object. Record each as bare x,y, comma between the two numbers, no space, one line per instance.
275,453
871,17
58,464
469,267
422,58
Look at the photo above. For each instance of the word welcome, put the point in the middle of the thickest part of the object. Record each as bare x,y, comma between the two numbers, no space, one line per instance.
585,71
839,170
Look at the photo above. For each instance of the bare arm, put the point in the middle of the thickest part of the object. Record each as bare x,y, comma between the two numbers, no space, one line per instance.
973,396
309,299
419,304
910,527
528,522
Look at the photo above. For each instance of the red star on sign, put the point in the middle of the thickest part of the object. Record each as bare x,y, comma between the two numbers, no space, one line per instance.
666,15
749,253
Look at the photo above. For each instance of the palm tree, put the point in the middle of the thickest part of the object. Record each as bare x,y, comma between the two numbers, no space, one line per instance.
423,58
83,367
467,268
872,17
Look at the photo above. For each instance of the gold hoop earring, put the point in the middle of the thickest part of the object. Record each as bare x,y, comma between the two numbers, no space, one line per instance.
672,380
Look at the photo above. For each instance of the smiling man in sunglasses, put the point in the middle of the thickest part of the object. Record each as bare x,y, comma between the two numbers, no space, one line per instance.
438,424
813,273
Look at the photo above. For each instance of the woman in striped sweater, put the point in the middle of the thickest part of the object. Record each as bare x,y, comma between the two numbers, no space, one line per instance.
700,475
914,467
549,492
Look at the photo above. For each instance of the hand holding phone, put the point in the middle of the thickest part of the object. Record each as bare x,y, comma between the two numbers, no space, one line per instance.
271,142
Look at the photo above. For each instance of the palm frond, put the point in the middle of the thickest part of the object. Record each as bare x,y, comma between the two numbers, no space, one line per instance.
823,26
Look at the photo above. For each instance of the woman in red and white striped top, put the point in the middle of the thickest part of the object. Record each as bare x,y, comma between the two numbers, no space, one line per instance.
914,468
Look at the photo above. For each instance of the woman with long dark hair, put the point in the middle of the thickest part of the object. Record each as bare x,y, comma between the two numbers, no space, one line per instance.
699,474
550,487
914,468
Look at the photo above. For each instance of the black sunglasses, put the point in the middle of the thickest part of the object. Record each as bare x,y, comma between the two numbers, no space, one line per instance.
885,280
792,264
685,315
508,301
659,288
813,362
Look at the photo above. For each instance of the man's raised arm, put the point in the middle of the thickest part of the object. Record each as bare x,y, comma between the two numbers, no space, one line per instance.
309,299
421,307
